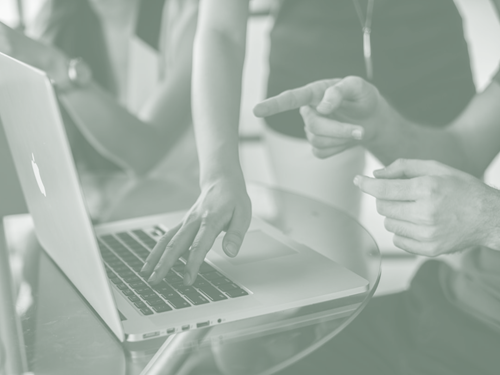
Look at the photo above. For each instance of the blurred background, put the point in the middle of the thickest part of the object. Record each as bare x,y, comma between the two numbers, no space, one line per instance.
483,35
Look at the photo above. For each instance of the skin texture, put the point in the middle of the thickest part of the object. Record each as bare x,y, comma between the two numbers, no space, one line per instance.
224,205
433,209
143,141
430,207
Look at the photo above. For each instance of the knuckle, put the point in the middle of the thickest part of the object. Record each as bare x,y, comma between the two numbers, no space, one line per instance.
355,82
400,162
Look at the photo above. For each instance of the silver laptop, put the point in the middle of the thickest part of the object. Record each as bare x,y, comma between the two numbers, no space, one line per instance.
271,273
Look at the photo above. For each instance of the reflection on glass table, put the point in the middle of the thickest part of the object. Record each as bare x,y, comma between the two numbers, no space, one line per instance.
62,334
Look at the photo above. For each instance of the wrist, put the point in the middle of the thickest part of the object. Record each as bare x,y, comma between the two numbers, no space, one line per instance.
491,220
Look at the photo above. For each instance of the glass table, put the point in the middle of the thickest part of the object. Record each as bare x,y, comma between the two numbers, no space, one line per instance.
50,328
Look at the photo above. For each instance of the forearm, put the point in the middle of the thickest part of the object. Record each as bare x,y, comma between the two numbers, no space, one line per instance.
169,110
490,219
112,130
216,92
398,137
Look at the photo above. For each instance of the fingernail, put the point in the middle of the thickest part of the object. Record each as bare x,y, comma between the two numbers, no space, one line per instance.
144,268
357,180
152,278
187,278
357,134
232,249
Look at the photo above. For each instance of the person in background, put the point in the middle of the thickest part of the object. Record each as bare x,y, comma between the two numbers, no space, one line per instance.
448,321
415,53
122,70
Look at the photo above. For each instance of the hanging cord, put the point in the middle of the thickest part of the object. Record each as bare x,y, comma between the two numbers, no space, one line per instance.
366,27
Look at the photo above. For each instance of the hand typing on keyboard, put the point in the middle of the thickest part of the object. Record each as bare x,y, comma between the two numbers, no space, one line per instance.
222,206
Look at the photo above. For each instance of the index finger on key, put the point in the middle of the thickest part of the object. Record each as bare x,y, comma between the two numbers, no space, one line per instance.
155,255
310,94
390,190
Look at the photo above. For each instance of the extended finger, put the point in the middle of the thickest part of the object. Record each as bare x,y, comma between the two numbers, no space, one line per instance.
393,190
327,127
310,94
208,232
400,210
177,246
155,255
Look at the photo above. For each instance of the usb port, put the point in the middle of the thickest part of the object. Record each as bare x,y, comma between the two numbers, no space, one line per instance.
203,324
170,331
186,327
151,334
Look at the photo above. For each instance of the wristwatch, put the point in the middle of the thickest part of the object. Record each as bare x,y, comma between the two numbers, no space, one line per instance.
79,73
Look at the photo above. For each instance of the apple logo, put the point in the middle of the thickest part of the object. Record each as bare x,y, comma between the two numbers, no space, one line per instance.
38,178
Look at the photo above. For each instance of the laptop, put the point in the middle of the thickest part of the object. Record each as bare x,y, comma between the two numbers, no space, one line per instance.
271,273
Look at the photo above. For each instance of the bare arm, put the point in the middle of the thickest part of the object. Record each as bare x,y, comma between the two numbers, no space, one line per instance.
133,143
138,143
219,54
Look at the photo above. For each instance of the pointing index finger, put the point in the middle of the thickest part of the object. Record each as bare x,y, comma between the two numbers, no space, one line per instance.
311,94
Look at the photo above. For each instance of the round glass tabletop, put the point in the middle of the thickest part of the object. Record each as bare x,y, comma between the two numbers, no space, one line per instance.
62,334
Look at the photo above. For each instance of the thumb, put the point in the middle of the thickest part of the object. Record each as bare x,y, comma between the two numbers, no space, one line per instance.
233,239
405,168
332,99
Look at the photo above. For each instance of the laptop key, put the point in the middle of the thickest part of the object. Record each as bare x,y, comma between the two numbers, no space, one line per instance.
206,268
162,308
212,275
128,292
140,304
148,295
121,286
236,293
212,293
178,302
229,286
155,302
151,297
186,289
173,277
146,311
221,281
133,298
196,299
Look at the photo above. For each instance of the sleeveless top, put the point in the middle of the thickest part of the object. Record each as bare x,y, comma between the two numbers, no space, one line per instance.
420,57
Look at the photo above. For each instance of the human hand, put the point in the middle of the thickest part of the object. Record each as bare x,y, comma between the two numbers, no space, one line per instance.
41,56
431,208
338,113
223,205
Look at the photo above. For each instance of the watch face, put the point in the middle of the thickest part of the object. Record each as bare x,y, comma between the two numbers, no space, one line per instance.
79,72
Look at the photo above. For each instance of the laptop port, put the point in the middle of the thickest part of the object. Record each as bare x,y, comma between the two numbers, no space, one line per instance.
170,331
151,334
203,324
186,327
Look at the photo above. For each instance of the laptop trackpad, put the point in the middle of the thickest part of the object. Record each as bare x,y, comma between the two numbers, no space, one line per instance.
256,247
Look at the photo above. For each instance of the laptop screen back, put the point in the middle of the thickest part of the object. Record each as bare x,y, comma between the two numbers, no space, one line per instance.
46,170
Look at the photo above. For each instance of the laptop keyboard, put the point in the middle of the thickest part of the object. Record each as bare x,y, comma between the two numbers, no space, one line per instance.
124,255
